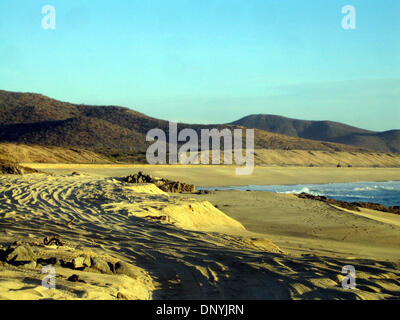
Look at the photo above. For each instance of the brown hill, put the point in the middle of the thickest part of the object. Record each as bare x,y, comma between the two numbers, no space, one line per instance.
35,119
90,133
387,141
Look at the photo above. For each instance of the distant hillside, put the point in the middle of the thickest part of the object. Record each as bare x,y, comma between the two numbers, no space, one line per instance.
89,133
119,132
388,141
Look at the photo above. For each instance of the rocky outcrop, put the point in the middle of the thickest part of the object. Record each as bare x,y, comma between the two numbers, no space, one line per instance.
9,169
27,256
378,207
75,278
12,168
125,268
355,206
176,186
81,262
101,266
163,184
19,254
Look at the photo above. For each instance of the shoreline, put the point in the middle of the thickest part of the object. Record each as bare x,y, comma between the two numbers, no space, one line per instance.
288,185
387,197
222,176
307,226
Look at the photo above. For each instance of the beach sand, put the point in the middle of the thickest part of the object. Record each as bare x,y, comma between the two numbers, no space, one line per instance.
303,226
220,175
224,245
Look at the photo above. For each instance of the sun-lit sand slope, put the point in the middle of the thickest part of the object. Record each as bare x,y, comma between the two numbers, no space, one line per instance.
325,158
47,154
23,153
320,158
194,252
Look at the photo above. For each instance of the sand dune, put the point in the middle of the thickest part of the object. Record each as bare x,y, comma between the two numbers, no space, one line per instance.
196,252
326,158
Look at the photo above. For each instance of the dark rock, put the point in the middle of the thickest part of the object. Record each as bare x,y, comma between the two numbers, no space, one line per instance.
121,296
19,254
3,254
81,262
66,264
10,169
161,218
100,265
125,268
140,177
177,187
204,192
355,206
75,278
111,266
13,168
164,184
49,261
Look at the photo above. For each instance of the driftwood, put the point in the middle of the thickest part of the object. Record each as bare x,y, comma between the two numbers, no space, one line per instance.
53,239
69,222
161,218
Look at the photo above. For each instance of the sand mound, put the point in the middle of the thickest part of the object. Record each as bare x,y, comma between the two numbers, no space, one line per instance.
183,213
200,216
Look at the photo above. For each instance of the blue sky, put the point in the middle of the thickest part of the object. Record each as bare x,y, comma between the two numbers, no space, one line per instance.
210,61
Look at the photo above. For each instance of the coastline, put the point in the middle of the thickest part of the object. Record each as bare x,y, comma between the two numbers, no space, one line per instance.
222,176
303,226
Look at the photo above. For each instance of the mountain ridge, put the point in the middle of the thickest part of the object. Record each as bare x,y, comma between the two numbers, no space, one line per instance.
325,130
31,118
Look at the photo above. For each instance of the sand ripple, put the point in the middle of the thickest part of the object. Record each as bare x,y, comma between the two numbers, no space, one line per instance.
196,252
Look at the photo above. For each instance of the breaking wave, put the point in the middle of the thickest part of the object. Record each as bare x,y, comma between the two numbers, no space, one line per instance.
386,193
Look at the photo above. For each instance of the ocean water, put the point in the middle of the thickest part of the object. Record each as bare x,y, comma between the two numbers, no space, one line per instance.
386,193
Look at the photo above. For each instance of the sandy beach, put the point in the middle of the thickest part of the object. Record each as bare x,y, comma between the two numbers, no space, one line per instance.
223,245
220,175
